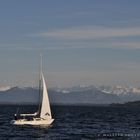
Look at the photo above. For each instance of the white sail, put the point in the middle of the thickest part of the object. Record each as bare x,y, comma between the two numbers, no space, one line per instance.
45,112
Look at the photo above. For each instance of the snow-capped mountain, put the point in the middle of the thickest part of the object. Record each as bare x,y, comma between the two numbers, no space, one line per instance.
118,90
75,95
122,94
4,88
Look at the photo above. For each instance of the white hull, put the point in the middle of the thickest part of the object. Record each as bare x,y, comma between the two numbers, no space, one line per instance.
32,122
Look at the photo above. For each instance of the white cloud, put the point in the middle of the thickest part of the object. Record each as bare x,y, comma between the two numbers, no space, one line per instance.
128,44
81,37
91,32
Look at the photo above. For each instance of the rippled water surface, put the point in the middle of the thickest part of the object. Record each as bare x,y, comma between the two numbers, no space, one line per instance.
75,123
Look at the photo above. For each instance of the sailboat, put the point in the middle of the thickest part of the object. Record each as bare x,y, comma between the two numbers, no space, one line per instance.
43,116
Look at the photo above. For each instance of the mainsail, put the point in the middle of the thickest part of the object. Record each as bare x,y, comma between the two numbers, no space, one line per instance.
45,112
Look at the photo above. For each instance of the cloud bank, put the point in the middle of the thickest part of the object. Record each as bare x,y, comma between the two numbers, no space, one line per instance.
92,32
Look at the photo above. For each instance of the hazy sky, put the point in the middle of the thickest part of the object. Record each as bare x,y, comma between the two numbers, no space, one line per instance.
82,41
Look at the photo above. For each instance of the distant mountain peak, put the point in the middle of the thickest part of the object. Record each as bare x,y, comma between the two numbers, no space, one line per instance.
4,88
74,95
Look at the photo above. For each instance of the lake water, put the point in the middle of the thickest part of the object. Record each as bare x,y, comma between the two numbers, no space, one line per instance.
75,123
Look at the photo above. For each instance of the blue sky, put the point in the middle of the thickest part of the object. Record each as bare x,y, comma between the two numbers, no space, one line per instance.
82,42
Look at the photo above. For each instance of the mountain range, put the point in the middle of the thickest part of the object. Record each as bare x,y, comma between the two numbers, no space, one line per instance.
79,95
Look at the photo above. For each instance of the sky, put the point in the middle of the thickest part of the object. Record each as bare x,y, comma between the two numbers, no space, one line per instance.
83,42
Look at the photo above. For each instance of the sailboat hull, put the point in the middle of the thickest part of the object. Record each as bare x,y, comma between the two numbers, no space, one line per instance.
32,122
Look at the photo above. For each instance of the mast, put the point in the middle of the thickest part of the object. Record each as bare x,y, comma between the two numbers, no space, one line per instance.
40,65
44,110
40,85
